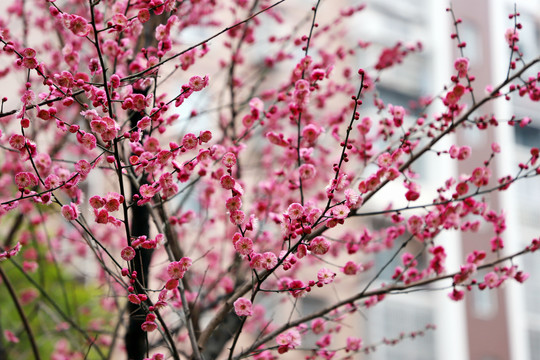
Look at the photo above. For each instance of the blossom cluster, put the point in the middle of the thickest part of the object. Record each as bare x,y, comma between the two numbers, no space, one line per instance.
198,199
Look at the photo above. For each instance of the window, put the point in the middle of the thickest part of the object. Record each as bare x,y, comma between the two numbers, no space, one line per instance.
532,285
400,314
525,138
484,301
528,136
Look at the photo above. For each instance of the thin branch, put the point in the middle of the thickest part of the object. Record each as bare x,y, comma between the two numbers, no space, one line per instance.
22,315
66,318
383,290
143,72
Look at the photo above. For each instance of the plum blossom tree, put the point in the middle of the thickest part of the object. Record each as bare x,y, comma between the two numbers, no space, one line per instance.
188,182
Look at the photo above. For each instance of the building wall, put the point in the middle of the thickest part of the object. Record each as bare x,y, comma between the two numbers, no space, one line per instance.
493,325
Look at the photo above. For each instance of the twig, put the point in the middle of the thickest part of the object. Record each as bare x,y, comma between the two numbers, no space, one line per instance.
22,315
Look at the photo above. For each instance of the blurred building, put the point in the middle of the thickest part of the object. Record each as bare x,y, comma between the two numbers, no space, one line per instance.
489,325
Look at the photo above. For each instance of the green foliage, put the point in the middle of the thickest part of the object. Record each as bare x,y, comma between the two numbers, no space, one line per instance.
51,297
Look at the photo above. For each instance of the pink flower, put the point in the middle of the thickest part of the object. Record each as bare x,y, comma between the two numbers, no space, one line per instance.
185,263
244,246
134,299
462,188
389,57
340,211
453,151
70,212
412,195
456,294
229,159
398,113
174,270
17,141
326,276
521,276
307,171
464,152
480,176
227,182
234,203
98,126
491,279
453,96
351,268
101,216
143,15
256,261
243,307
415,224
205,136
10,337
276,139
497,243
29,53
297,288
78,25
324,341
25,180
462,66
112,204
237,217
127,253
171,284
310,133
190,141
384,160
256,106
353,344
27,296
392,173
177,269
301,251
248,120
511,36
149,326
301,85
10,253
317,326
88,141
144,122
289,339
352,198
197,83
83,167
295,211
319,245
147,191
120,19
269,260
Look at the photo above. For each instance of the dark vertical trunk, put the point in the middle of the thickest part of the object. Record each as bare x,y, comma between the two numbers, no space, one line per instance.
135,339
